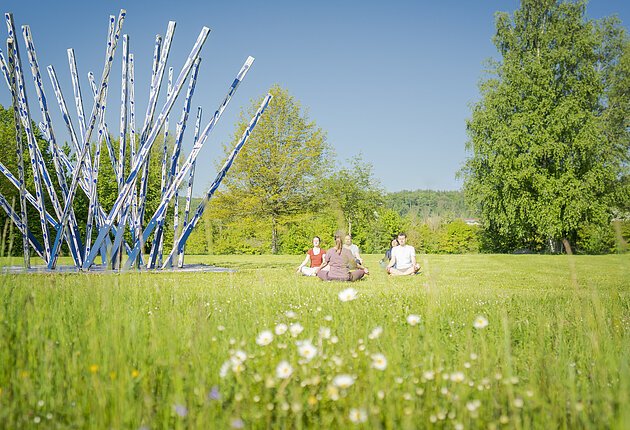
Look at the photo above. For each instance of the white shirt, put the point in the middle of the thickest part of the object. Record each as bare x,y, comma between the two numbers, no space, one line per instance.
354,249
403,255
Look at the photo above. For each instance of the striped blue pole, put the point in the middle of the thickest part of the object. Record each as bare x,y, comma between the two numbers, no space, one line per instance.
132,131
122,141
8,75
191,179
78,97
123,111
191,158
146,146
73,239
78,101
156,84
178,246
103,128
27,195
18,222
85,181
148,118
158,241
189,193
25,118
93,193
96,110
183,120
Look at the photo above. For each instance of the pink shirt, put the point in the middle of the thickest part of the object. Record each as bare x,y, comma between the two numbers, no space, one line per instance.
339,263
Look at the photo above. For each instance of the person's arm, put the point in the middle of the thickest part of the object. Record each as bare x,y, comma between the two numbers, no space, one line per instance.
413,258
359,256
392,261
324,264
307,259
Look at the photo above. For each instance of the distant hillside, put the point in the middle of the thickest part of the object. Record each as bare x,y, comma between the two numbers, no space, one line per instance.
429,203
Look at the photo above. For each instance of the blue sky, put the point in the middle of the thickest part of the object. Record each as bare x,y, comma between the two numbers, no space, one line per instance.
391,80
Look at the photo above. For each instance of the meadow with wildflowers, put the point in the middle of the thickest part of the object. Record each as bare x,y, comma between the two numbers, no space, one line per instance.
474,341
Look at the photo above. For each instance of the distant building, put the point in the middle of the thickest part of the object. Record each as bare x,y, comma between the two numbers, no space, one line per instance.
472,221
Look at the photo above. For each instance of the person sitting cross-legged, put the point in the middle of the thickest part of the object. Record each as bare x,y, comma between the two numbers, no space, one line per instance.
347,244
403,258
341,263
313,259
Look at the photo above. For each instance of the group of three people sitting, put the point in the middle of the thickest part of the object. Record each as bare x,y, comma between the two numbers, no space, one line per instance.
344,263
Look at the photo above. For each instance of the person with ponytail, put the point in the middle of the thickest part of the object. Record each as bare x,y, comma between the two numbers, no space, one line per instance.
340,260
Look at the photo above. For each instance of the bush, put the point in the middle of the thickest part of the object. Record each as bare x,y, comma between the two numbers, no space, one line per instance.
595,239
458,237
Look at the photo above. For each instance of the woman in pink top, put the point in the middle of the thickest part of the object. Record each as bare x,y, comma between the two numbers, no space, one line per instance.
339,260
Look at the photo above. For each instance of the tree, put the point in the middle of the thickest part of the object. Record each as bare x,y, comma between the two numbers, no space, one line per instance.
548,150
278,170
356,193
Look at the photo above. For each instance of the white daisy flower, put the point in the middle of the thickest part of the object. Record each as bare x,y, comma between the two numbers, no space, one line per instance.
473,405
290,314
379,362
296,329
264,338
343,381
307,350
413,319
348,294
376,332
480,322
238,367
239,355
358,415
225,367
457,377
284,370
324,332
281,329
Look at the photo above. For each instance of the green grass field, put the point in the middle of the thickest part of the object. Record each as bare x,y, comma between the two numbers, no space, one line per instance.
179,350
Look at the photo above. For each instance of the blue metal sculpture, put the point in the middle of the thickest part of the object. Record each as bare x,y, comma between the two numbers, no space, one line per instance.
127,212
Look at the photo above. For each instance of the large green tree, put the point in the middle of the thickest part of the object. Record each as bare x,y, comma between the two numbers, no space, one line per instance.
279,169
356,195
549,137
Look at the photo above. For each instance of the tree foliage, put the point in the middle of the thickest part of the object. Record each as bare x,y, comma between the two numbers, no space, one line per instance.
356,194
549,137
428,203
278,171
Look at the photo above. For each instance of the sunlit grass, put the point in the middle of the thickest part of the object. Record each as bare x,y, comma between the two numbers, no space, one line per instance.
133,350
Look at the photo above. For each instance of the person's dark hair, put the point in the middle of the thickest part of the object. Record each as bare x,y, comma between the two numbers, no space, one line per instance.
402,234
317,237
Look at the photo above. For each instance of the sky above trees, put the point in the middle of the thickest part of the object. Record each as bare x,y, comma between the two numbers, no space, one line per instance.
393,80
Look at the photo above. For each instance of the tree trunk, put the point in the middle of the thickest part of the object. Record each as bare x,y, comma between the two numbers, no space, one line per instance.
350,228
554,245
567,246
274,235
